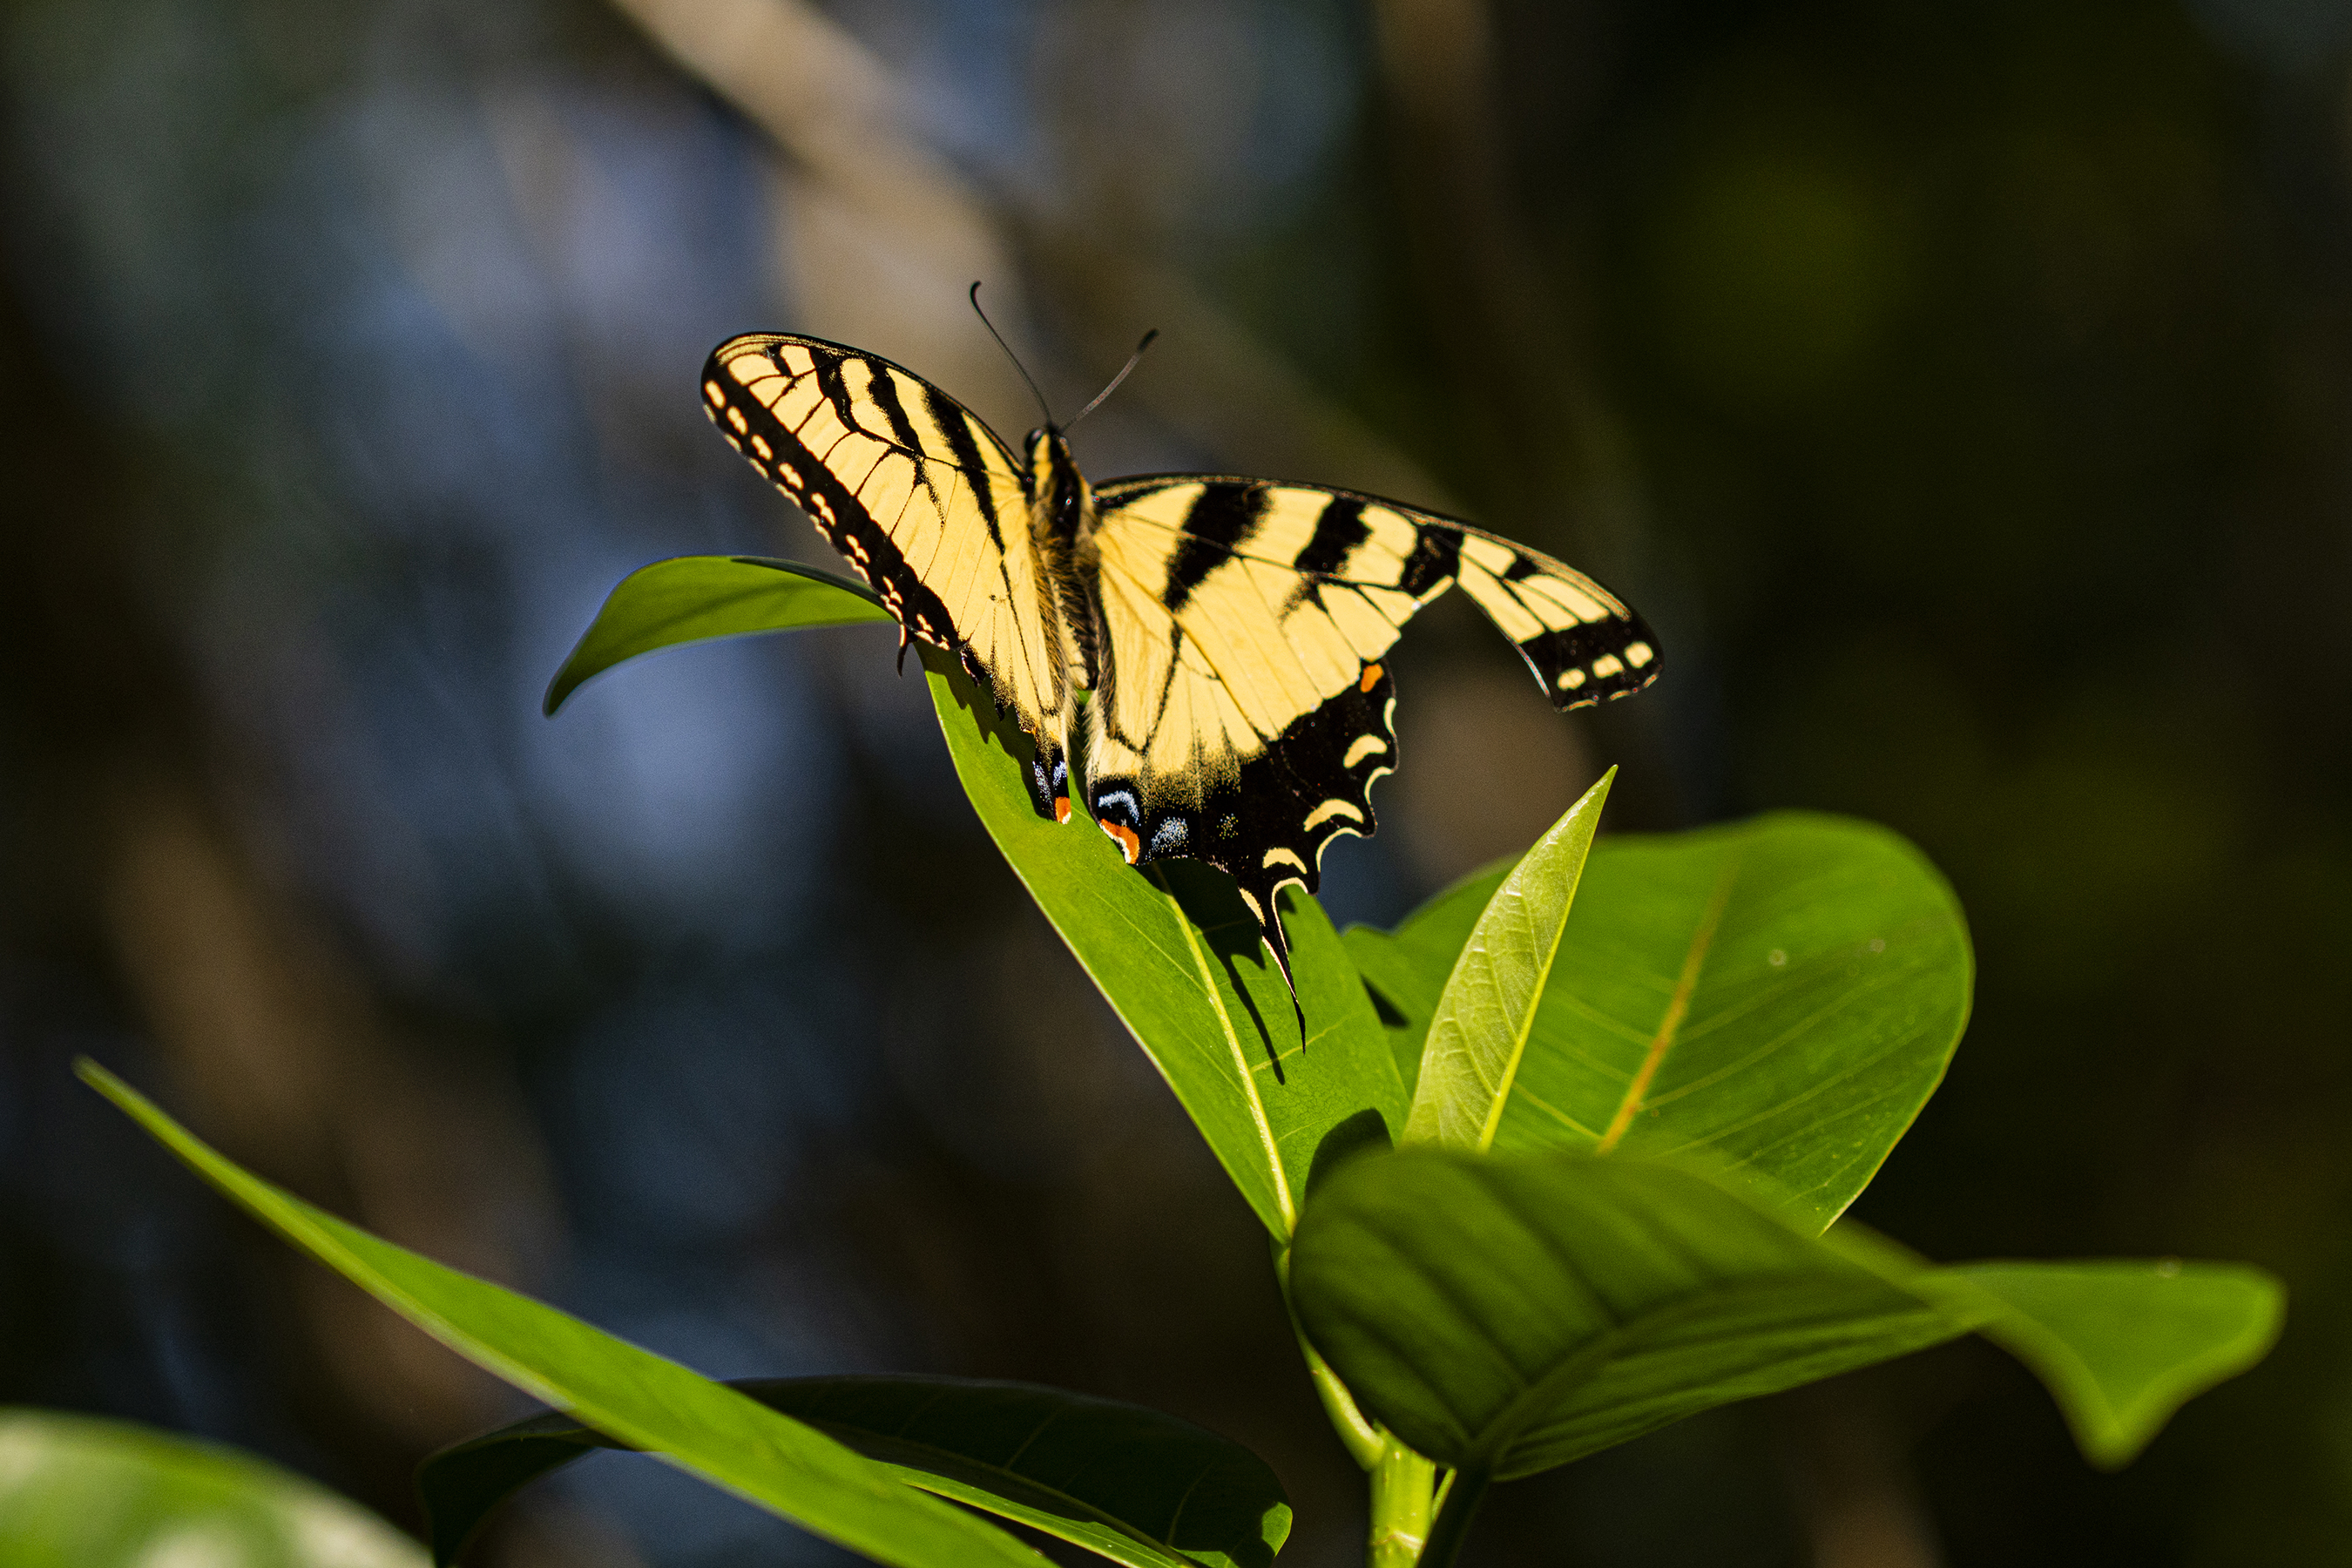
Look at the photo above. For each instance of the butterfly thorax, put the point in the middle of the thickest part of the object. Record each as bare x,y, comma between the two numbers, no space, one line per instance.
1062,524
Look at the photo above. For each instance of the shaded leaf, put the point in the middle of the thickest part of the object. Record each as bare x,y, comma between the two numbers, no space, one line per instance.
78,1491
1507,1315
1135,1486
2123,1343
646,1400
694,598
1176,951
1779,996
1510,1313
1478,1030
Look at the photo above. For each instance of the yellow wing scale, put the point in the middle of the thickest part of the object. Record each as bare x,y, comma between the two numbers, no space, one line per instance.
923,500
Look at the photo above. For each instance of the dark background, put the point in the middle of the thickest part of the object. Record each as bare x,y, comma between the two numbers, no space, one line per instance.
1962,392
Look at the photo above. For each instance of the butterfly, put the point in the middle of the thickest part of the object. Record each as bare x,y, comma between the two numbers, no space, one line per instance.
1200,658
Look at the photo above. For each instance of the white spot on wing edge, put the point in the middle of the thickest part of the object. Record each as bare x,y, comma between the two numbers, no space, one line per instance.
1362,747
1279,856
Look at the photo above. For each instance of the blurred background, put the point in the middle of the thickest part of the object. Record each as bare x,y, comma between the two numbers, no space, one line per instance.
1964,392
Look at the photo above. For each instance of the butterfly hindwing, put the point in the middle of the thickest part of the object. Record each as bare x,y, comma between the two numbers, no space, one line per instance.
926,503
1246,707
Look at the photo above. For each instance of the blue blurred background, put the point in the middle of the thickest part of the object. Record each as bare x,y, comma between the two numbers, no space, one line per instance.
1964,392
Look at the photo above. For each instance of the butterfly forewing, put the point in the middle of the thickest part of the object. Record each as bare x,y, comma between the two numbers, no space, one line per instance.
923,500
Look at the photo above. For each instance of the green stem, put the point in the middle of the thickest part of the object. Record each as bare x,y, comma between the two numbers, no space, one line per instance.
1402,1485
1365,1443
1463,1496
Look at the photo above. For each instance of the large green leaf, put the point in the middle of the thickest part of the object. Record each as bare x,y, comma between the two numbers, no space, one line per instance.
77,1492
1136,1485
1172,947
1780,996
1510,1313
643,1399
1176,951
2123,1343
1479,1031
1507,1315
694,598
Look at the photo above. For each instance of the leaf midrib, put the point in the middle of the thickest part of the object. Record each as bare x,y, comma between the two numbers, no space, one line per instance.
1677,1006
1258,1118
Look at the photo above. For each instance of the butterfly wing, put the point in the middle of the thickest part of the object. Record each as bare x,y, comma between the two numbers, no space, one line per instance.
924,501
1245,709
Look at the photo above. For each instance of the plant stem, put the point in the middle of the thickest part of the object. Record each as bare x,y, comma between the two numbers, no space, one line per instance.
1402,1485
1365,1442
1466,1491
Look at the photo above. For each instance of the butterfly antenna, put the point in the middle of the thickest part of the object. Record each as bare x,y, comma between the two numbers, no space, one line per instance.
1124,371
1015,358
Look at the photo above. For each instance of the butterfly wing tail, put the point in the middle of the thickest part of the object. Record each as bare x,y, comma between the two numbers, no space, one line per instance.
1265,903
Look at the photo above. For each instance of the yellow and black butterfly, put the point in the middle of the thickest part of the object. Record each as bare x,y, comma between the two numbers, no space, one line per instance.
1231,631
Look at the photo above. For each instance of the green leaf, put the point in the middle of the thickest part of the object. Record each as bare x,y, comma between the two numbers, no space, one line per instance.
695,598
1778,995
1478,1030
1408,968
2122,1344
1506,1315
1172,946
1139,1487
1510,1313
77,1492
646,1400
1174,949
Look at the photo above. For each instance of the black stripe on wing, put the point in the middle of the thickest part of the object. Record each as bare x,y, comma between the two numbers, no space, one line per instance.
1269,824
1219,523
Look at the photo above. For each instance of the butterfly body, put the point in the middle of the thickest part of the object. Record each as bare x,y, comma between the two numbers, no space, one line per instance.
1200,658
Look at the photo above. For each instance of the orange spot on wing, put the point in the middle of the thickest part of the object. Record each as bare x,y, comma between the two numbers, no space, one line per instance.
1371,678
1062,809
1129,843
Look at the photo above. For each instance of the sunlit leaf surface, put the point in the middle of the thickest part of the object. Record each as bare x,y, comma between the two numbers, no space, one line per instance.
77,1492
1171,947
1177,953
694,598
1134,1485
1479,1031
1780,996
646,1400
